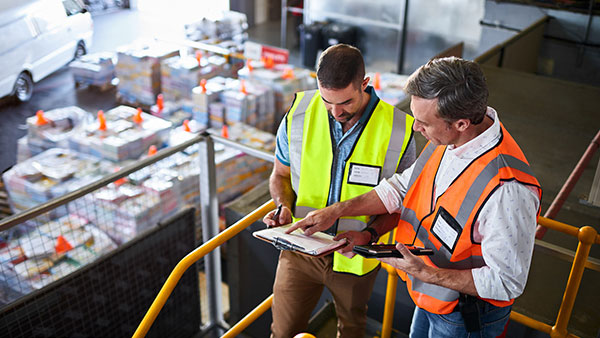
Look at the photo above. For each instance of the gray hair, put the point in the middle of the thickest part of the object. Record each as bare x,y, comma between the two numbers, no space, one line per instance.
459,85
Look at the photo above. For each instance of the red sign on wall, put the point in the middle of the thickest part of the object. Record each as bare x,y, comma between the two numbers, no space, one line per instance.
255,51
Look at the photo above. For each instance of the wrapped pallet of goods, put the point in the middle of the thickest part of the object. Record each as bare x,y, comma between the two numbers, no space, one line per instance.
138,70
285,80
122,133
96,69
389,86
50,174
50,129
179,75
47,252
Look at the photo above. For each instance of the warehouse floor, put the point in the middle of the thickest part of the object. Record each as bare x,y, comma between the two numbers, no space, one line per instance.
554,121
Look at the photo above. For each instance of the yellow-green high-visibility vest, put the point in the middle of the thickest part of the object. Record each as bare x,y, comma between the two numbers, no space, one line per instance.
376,155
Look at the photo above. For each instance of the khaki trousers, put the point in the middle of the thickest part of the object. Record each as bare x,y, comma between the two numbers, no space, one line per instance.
298,285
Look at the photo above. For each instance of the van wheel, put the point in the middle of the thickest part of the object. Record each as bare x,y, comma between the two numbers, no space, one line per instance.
80,51
23,87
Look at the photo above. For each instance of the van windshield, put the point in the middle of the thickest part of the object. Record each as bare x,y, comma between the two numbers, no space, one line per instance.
72,7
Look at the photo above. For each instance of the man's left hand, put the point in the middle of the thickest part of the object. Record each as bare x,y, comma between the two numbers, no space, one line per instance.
409,263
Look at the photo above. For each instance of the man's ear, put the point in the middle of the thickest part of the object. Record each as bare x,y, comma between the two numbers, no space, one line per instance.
461,124
365,83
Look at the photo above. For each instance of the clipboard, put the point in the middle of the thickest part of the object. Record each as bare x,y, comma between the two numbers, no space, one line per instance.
387,250
317,245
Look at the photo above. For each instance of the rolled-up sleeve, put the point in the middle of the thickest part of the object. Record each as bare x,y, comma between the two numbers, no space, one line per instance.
391,191
506,229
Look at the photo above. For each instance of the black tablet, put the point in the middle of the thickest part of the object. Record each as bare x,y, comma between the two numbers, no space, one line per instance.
387,250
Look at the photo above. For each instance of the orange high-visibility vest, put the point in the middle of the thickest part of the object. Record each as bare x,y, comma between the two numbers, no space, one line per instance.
457,208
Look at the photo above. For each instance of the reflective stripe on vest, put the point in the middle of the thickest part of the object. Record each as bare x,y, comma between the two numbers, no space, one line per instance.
463,200
381,144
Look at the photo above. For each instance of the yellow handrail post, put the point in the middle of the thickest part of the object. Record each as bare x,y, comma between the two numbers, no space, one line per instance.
586,236
249,318
390,301
192,258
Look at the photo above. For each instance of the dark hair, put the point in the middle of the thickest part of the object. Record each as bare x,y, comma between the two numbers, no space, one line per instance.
459,85
340,65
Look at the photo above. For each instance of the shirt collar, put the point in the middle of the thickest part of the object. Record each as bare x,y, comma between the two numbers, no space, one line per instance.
482,142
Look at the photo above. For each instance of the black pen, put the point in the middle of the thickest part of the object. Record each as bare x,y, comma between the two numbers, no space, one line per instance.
277,213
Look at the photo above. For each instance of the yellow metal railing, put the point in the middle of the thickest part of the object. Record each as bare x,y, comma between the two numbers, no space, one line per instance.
192,258
586,235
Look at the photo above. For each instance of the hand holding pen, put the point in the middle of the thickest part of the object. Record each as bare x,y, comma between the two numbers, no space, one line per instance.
280,216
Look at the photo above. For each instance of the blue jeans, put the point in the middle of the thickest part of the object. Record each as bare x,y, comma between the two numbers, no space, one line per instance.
427,324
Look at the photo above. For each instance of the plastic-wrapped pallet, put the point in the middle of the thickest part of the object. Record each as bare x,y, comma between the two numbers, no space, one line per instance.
50,129
238,172
389,86
50,174
179,75
127,135
47,253
284,80
122,211
226,25
138,70
97,69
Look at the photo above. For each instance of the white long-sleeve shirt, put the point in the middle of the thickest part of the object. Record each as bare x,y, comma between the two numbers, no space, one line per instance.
505,227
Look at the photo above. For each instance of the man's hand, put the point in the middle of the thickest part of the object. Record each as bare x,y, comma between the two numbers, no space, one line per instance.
410,263
285,217
317,220
353,238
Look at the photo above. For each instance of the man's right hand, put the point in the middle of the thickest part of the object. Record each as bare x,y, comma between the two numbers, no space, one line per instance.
285,217
316,220
353,238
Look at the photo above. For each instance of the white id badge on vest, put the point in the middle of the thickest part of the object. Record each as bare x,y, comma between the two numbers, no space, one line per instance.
446,229
363,174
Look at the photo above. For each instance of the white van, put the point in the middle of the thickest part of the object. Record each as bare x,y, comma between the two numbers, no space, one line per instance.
37,38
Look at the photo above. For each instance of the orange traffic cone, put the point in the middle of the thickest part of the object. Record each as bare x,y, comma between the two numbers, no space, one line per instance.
101,121
243,87
377,81
270,63
186,125
249,65
152,150
288,73
198,56
225,131
137,118
62,245
41,119
203,85
160,102
121,180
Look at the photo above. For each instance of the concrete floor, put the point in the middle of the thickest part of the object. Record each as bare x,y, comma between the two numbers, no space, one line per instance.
554,122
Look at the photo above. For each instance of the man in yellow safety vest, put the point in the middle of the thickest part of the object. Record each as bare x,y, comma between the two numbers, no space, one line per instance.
335,143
